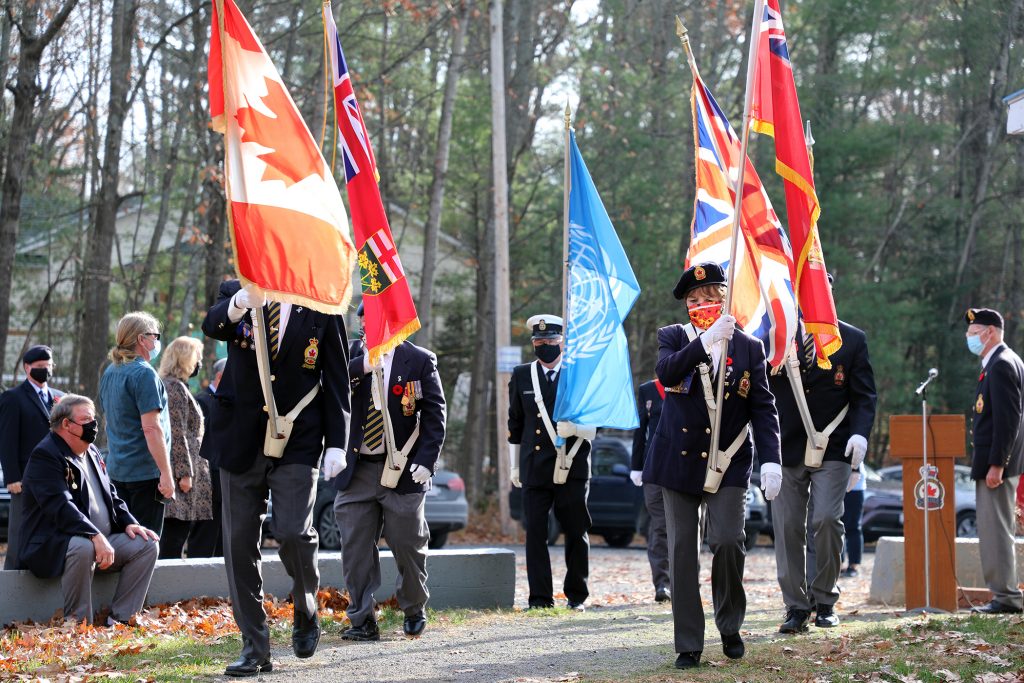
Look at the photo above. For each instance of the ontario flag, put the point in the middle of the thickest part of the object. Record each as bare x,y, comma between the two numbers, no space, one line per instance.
776,112
389,314
762,297
289,231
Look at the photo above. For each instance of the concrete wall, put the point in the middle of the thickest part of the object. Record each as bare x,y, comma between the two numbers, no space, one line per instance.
458,578
888,577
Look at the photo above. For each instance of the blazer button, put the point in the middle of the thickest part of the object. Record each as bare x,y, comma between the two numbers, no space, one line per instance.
265,409
704,454
538,431
273,378
538,414
707,430
536,448
682,453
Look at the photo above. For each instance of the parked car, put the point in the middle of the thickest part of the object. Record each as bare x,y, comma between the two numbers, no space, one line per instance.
445,508
614,502
965,502
5,507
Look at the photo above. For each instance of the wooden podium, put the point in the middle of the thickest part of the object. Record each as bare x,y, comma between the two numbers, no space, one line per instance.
936,489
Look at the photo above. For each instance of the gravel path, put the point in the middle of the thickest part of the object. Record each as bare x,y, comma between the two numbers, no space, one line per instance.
622,633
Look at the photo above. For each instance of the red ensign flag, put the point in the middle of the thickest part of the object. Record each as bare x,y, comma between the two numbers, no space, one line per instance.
289,230
389,314
776,112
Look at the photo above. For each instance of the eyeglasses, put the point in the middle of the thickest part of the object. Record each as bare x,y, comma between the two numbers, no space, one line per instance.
154,335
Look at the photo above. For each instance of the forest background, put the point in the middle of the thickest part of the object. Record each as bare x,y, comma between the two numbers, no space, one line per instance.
104,117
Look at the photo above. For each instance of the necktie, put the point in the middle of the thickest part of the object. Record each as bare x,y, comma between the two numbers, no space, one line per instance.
551,375
373,428
274,322
44,396
809,353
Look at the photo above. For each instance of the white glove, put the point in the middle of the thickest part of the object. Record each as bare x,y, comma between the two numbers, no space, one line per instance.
243,298
771,479
854,478
722,330
856,449
420,474
569,429
334,462
367,367
637,477
513,457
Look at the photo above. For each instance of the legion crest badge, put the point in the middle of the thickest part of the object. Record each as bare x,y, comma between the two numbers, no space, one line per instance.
310,355
840,376
929,491
970,315
744,384
699,273
979,406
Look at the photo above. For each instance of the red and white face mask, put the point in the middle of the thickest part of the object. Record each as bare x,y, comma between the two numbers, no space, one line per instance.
705,315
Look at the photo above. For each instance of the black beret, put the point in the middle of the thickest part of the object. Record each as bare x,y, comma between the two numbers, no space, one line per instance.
359,309
37,353
983,316
697,276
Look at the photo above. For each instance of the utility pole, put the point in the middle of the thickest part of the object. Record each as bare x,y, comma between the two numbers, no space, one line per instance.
502,310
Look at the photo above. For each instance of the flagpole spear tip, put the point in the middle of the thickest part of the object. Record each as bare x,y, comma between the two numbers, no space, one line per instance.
808,138
684,36
568,115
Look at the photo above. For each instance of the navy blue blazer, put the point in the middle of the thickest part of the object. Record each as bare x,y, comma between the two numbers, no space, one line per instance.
649,403
314,351
56,503
205,398
849,381
997,434
537,454
24,421
677,455
410,363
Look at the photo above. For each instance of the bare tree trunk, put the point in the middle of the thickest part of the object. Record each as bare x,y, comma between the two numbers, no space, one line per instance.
444,138
170,167
23,132
96,284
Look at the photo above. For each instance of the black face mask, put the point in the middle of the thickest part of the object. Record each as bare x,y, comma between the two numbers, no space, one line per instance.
89,431
548,353
41,375
196,369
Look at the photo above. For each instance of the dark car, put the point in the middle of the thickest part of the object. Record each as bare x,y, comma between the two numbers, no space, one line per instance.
445,508
5,507
883,504
614,502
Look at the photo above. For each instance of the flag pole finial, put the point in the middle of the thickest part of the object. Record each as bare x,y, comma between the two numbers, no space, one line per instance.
808,138
684,40
568,115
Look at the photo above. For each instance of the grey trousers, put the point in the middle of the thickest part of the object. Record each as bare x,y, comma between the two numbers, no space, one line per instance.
996,525
14,530
365,511
657,541
822,489
134,558
726,537
244,505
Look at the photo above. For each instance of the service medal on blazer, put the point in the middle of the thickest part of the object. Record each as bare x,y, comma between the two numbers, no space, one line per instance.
409,399
310,354
744,384
840,376
979,407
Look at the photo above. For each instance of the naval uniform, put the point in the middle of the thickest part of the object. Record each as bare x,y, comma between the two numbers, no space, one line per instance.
677,461
537,455
650,398
810,574
313,351
998,439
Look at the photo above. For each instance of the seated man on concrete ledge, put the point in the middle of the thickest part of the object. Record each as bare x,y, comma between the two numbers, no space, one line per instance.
74,522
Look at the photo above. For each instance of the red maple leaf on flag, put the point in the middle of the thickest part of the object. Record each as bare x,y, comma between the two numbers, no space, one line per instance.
293,156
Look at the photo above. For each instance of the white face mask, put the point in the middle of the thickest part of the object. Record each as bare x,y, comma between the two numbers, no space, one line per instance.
156,349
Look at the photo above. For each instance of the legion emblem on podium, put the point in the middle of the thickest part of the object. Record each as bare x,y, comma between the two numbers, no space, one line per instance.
930,486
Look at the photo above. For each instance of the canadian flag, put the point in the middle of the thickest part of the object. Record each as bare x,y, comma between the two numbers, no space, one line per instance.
289,229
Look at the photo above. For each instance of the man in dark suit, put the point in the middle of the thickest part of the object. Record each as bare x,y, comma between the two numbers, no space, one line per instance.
998,440
24,421
309,365
809,510
363,506
650,398
75,522
531,437
689,358
204,539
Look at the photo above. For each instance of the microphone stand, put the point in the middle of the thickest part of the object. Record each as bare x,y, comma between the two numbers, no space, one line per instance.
927,609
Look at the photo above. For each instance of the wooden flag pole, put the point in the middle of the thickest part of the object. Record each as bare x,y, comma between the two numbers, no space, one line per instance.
755,31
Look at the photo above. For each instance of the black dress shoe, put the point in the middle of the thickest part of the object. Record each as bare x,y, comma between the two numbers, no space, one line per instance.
248,666
577,606
826,617
305,635
796,621
688,660
415,624
366,631
732,646
996,607
541,605
849,572
662,595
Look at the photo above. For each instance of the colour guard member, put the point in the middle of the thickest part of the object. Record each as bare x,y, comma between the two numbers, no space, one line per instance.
841,401
309,365
998,440
365,508
689,357
532,435
650,398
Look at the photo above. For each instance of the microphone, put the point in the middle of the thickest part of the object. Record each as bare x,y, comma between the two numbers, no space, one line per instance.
932,374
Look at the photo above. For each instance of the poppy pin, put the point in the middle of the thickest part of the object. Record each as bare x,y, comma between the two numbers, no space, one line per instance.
397,390
728,360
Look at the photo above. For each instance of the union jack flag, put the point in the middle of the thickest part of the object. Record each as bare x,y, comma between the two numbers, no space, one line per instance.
763,300
345,97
